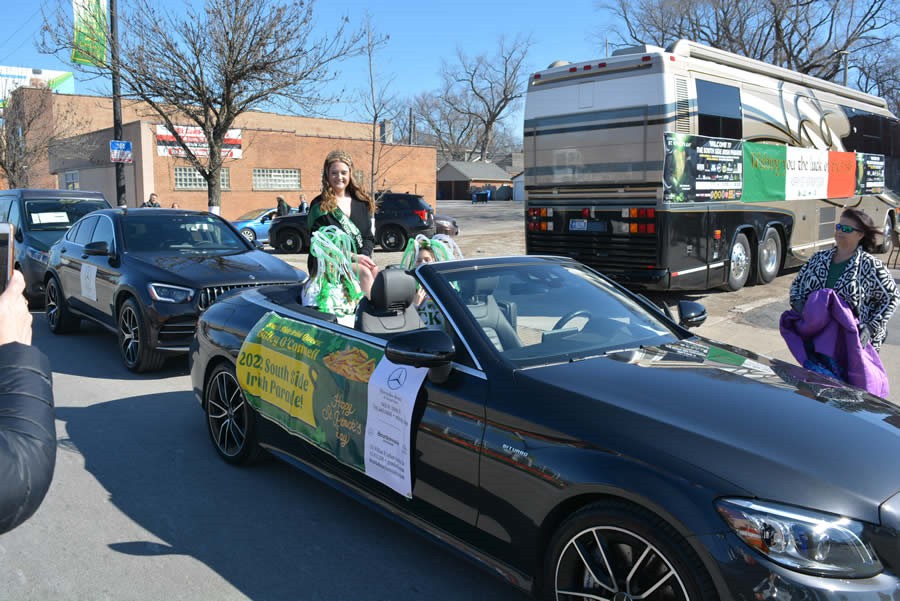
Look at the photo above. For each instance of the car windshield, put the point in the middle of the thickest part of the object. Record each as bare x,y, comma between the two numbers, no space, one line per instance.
46,214
250,215
179,233
540,313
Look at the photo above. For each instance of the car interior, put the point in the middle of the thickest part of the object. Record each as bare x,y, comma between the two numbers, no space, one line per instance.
493,319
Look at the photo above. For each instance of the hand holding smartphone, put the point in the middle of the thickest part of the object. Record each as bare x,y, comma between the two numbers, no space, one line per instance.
15,319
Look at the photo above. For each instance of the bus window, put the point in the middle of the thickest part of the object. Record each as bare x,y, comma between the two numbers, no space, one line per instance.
719,110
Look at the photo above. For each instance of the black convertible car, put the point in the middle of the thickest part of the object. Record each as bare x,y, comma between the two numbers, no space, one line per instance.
147,274
566,433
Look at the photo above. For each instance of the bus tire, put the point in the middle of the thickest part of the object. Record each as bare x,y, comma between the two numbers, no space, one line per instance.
768,256
887,243
739,263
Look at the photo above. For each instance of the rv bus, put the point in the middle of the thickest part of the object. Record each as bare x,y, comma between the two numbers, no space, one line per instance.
595,139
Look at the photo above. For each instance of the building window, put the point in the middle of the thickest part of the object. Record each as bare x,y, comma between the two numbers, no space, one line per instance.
188,178
276,179
71,180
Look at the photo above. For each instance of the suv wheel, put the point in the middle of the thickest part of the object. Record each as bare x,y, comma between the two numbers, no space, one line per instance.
290,241
393,239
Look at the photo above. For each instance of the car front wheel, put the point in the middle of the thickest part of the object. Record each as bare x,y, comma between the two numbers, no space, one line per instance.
229,418
393,239
133,340
614,550
59,319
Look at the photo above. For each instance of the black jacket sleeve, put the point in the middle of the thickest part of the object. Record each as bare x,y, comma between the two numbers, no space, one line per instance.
27,432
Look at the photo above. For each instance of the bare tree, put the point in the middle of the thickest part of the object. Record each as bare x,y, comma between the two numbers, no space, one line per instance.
878,72
440,123
382,109
808,36
27,137
209,65
492,86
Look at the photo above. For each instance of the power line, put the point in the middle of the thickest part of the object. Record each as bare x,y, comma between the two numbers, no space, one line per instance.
17,31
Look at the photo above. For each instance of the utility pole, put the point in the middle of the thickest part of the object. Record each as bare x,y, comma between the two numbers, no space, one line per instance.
117,97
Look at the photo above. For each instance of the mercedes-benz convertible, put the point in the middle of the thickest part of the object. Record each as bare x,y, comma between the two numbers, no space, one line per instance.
570,435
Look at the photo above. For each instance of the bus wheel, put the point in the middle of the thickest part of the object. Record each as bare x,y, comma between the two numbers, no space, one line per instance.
769,256
739,265
887,244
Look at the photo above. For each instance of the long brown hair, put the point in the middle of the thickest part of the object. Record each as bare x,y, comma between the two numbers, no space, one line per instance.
329,200
866,227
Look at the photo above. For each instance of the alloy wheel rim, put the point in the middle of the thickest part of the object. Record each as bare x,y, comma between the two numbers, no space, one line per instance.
249,235
226,411
52,305
613,563
130,332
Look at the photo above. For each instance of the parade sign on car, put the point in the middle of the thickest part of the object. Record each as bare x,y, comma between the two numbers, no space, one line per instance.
338,393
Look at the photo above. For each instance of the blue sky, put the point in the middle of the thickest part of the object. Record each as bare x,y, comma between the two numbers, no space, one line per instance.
422,33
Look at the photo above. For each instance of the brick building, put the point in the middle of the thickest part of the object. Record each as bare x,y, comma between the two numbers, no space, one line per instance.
271,155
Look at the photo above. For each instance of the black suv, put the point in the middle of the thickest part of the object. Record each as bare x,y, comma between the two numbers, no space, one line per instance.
41,217
399,217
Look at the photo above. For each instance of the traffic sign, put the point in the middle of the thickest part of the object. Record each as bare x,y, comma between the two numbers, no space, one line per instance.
120,151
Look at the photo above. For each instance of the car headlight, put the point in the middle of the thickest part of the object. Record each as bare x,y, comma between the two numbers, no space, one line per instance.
37,255
167,293
802,539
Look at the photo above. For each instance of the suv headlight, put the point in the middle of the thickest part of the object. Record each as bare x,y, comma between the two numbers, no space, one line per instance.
167,293
802,539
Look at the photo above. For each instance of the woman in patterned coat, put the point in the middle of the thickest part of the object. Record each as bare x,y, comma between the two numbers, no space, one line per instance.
861,280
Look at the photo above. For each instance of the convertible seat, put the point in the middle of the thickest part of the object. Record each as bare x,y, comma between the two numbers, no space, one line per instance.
390,309
479,298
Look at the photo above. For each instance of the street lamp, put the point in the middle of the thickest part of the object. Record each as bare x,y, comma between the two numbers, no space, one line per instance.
845,54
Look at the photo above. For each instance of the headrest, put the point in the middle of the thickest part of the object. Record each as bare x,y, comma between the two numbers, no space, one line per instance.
478,286
393,290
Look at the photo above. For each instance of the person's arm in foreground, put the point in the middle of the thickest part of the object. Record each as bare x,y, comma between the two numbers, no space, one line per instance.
27,429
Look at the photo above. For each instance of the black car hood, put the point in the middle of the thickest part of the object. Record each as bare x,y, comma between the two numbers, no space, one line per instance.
771,428
200,271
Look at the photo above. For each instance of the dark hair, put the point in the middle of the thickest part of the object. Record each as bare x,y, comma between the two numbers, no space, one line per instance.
866,227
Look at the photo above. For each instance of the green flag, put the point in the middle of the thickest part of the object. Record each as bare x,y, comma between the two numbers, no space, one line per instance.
764,172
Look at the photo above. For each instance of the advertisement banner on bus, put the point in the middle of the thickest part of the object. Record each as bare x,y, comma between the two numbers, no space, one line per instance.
869,174
841,174
701,168
765,167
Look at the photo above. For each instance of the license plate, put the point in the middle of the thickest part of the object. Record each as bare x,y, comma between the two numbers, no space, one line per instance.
577,225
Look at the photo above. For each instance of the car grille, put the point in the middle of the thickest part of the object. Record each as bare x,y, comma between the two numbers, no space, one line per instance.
177,332
210,295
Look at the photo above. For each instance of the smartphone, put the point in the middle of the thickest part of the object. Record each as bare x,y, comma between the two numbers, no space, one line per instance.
7,253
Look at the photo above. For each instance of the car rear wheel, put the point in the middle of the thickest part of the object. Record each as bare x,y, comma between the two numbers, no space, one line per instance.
229,418
133,335
290,241
740,263
769,256
249,234
56,308
393,239
615,550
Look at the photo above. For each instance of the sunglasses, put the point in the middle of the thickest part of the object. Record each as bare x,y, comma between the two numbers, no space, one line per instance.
847,229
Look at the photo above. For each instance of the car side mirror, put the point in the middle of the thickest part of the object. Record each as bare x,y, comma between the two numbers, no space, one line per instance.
691,314
19,235
97,249
433,349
